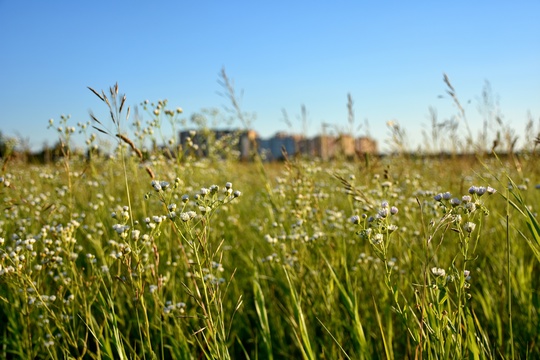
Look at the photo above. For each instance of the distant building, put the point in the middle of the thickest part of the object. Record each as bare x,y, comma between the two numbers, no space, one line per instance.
321,146
326,147
272,149
247,142
365,145
346,145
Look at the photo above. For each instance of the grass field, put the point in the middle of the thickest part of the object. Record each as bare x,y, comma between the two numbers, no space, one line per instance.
302,260
381,258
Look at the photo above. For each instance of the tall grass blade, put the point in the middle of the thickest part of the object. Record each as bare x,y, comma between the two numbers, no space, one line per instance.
302,333
351,305
262,315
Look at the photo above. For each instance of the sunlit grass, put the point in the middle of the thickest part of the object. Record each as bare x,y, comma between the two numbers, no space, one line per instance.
141,254
387,266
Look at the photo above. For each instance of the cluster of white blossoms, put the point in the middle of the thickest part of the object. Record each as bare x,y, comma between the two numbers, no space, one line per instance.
171,308
377,226
438,271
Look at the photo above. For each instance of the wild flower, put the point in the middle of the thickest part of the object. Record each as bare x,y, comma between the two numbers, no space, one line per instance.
355,219
269,239
125,215
377,239
170,307
135,234
217,266
121,230
164,185
171,207
204,192
68,299
447,195
184,216
213,189
383,213
470,207
455,202
469,227
157,219
204,209
6,270
438,271
156,185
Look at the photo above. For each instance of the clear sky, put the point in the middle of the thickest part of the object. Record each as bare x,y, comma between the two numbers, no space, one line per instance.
389,55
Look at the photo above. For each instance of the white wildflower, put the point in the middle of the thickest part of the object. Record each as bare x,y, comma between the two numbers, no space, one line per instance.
438,271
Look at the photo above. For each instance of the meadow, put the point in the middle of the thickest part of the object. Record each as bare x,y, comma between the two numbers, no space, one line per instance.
144,255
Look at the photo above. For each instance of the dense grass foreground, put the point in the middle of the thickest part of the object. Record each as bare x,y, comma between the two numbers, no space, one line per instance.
139,255
399,258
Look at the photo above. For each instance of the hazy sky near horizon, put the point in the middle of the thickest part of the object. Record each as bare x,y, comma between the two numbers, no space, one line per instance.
389,55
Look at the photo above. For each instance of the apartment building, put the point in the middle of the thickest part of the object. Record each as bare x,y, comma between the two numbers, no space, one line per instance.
246,142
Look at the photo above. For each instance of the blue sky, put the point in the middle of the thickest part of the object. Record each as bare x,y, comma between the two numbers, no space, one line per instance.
389,55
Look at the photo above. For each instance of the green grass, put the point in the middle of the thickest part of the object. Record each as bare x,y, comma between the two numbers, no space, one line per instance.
280,274
144,255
